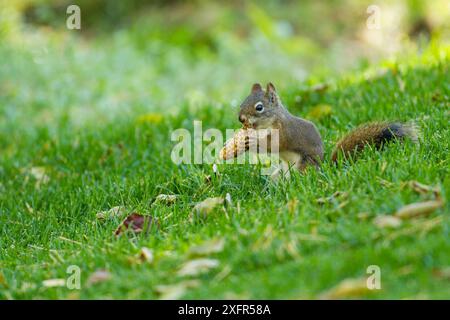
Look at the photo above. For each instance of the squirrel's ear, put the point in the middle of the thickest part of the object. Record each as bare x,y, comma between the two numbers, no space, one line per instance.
271,87
256,88
271,92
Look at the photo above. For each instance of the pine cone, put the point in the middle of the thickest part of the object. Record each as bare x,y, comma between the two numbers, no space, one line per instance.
236,145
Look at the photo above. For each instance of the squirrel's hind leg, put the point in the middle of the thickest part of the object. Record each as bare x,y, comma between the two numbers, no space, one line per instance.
281,172
306,162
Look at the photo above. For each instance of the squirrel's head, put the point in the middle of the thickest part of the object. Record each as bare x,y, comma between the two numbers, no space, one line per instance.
260,109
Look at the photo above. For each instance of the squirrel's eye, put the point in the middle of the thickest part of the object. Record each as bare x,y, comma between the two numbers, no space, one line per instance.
259,107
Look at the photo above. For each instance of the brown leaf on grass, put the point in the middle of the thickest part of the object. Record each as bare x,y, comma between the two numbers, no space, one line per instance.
439,97
442,273
99,276
423,188
202,209
51,283
197,266
136,223
40,174
406,270
146,255
419,228
2,280
386,221
167,199
347,288
175,291
334,196
207,247
111,213
385,183
27,286
418,209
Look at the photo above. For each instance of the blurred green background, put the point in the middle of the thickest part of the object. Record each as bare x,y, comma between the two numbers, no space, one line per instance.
157,55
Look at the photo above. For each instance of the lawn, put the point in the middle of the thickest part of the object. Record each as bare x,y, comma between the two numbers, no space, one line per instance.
78,138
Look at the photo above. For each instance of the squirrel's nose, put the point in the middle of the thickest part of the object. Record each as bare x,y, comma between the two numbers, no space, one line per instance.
242,118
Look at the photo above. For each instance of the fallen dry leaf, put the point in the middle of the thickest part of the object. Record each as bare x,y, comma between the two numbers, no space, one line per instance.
26,286
207,247
146,255
197,266
386,221
111,213
419,228
99,276
2,280
385,183
347,288
51,283
442,273
175,291
167,199
438,97
418,209
428,225
39,173
136,223
406,270
334,196
202,209
423,188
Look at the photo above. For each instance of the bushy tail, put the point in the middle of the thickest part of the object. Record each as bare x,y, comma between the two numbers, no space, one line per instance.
375,134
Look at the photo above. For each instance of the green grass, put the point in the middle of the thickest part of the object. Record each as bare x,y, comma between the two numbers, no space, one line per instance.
270,251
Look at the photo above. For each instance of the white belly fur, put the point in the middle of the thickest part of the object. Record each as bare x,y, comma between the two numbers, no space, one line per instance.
291,158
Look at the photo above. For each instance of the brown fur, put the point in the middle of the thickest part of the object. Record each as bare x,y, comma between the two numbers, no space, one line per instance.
375,134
